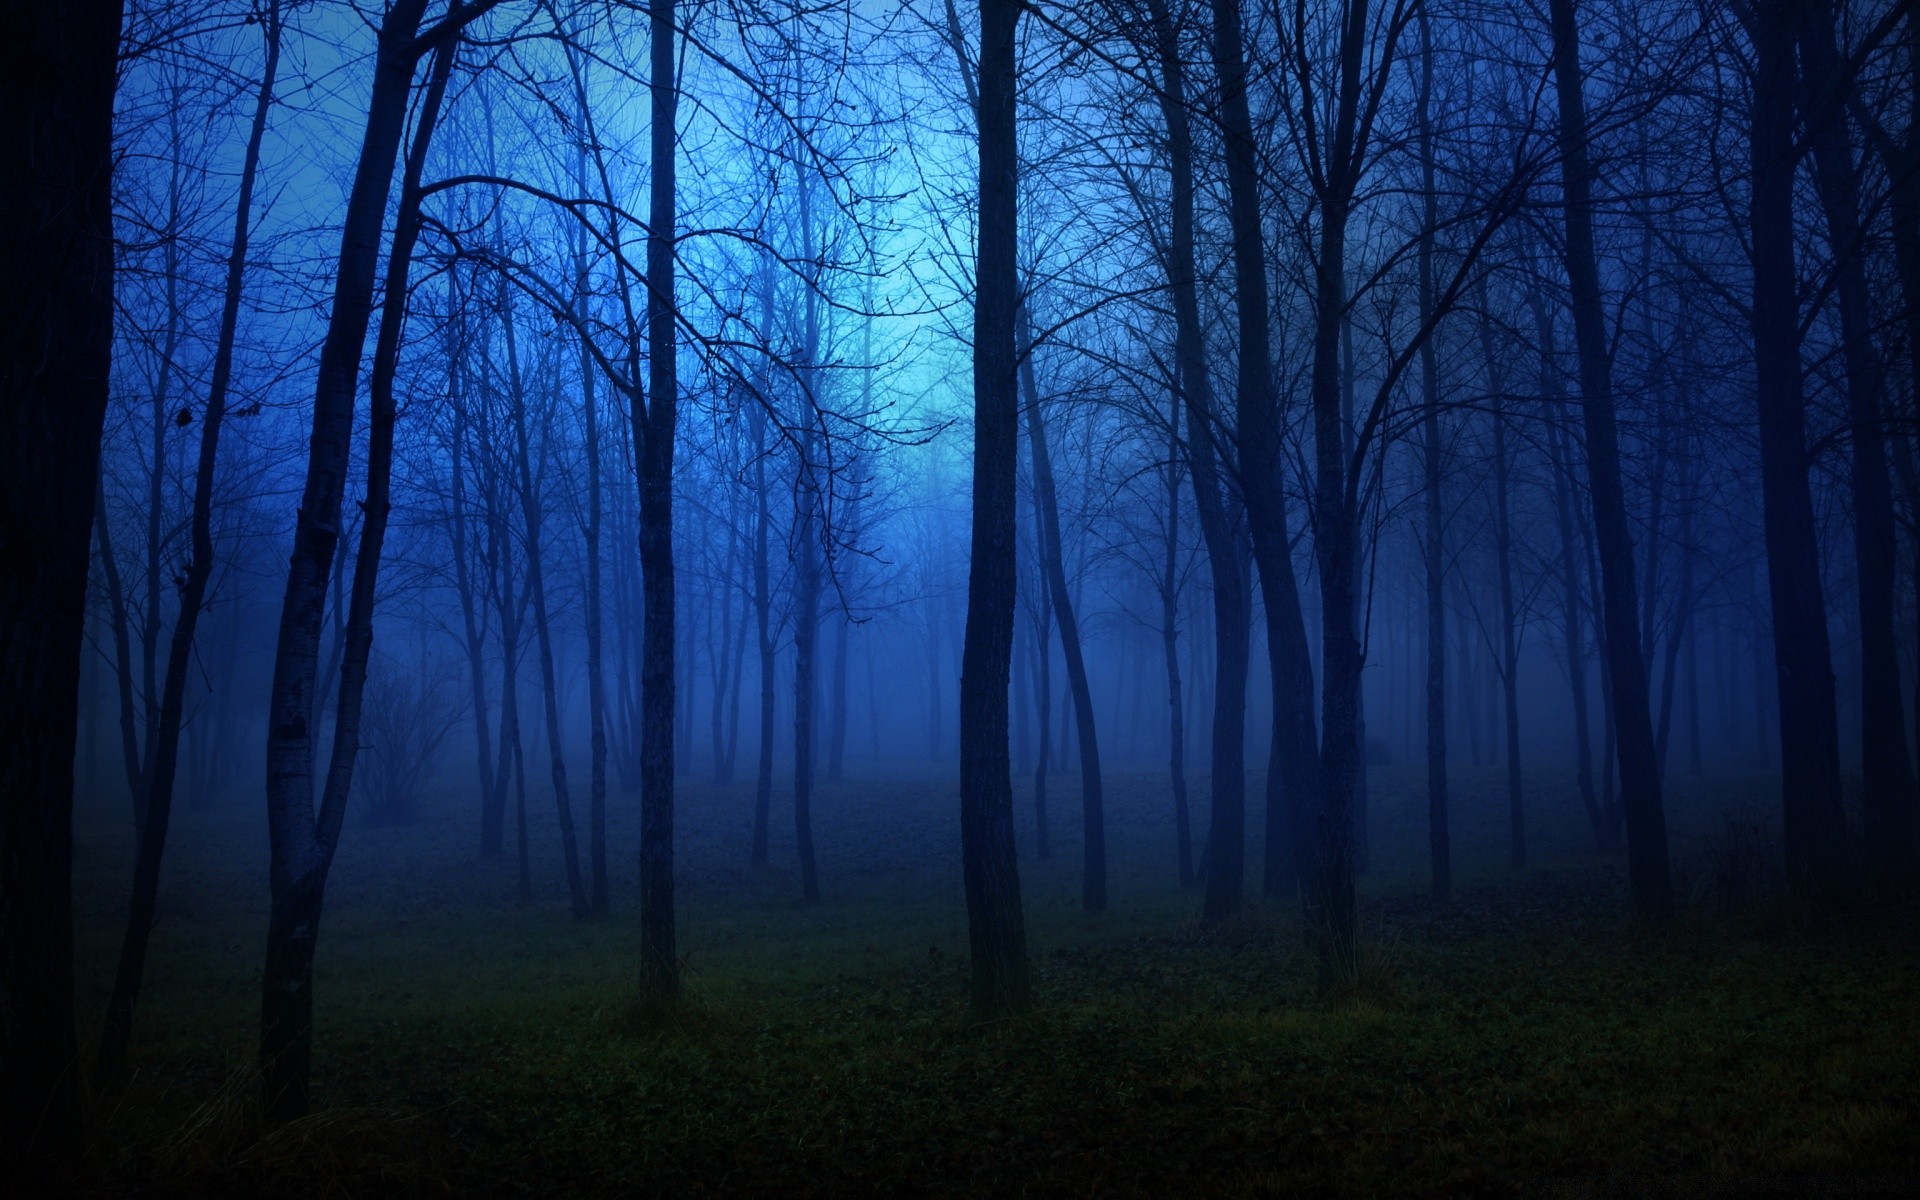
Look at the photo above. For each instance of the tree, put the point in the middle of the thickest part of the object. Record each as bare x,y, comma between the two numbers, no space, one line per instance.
1093,877
1215,505
1640,785
995,926
654,421
1295,782
302,839
1434,534
1886,777
164,742
58,89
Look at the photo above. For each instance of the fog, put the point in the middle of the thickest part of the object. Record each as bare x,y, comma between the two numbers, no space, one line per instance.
744,498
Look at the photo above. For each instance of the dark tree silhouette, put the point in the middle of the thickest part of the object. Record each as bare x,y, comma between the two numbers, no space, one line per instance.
57,83
996,927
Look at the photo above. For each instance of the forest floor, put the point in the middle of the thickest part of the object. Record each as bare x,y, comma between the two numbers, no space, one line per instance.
1521,1040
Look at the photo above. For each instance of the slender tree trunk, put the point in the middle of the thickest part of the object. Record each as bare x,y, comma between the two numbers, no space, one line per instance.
763,619
1679,632
1022,687
492,793
1509,617
805,634
1093,880
1043,694
513,756
1214,502
1170,648
996,926
117,623
807,537
150,618
1294,777
163,751
598,902
1813,825
1439,843
719,650
837,714
1887,795
1361,831
303,841
1575,621
733,690
1640,787
57,149
1330,903
654,432
531,502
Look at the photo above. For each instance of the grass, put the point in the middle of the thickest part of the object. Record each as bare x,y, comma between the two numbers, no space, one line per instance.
1523,1039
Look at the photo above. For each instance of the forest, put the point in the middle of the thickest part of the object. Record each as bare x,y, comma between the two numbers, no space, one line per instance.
959,597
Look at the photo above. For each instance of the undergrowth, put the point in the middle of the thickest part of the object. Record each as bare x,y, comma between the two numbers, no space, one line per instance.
1524,1039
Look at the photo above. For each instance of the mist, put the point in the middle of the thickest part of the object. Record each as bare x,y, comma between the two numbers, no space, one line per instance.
1139,598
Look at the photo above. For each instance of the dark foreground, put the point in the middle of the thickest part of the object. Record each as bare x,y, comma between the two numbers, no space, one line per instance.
1522,1040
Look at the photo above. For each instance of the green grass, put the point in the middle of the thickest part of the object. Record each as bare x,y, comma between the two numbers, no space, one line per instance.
1523,1039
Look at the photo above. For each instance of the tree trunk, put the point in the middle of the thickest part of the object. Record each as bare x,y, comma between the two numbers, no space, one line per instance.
1329,892
837,713
1640,787
492,789
1043,693
57,147
302,842
1886,777
806,546
1439,845
117,623
763,620
806,629
1214,500
163,751
1093,878
598,902
1813,825
531,516
1509,617
1294,776
1170,648
1570,555
654,431
995,924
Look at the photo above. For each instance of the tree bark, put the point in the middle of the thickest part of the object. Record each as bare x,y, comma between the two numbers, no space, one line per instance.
1572,551
1329,892
762,593
807,534
531,518
1509,617
1093,877
1640,787
1170,649
598,902
1886,799
1813,826
1043,694
995,925
303,841
164,750
1294,777
654,430
57,149
1212,502
1439,844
